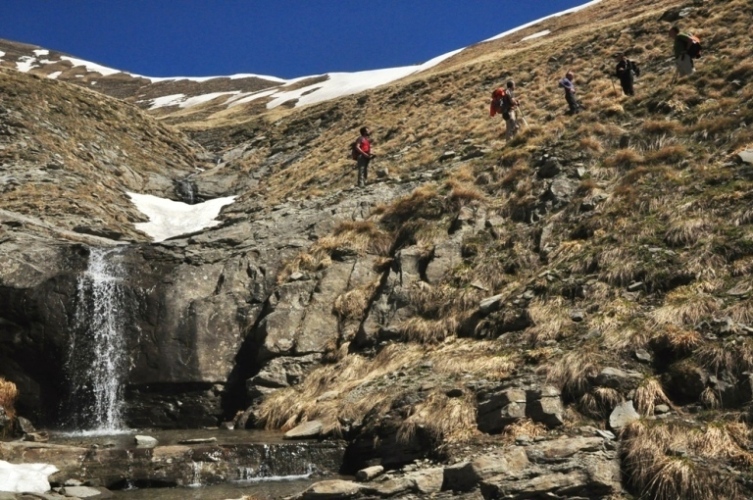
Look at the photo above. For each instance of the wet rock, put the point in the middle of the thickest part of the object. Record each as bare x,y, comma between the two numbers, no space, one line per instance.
198,440
25,425
306,430
145,441
86,492
623,415
37,437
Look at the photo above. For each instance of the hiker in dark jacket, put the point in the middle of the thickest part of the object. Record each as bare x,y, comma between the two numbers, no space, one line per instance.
682,43
363,148
625,72
567,84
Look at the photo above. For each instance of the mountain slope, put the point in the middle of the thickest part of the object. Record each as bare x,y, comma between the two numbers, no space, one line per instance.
595,263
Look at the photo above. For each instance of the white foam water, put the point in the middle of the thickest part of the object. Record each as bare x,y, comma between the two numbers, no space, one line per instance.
97,360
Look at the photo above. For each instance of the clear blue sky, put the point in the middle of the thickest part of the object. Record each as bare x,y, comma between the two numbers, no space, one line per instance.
284,38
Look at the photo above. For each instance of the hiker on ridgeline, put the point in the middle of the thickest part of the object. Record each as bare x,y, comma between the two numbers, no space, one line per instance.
686,48
362,154
626,71
567,84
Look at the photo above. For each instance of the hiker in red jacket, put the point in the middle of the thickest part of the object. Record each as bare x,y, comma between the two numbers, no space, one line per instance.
364,155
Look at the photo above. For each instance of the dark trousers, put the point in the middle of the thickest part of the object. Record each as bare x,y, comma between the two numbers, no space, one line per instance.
627,85
572,102
363,169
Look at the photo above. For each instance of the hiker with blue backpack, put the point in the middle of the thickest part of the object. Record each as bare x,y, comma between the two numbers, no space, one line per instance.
686,48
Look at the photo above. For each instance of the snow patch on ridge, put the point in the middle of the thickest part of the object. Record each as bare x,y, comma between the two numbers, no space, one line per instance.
90,66
537,21
168,218
535,35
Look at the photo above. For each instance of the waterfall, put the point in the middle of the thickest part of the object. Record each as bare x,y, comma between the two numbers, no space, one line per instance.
97,358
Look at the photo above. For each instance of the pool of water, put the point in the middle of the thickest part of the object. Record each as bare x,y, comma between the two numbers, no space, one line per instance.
125,439
258,490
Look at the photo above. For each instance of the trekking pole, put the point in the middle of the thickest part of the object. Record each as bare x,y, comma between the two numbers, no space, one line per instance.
522,118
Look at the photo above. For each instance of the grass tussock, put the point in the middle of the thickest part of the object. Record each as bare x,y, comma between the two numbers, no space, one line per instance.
599,403
445,419
524,427
571,373
8,397
673,460
687,305
649,394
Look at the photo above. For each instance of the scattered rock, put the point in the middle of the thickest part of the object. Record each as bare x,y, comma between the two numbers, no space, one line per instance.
306,430
622,380
746,156
86,492
643,355
331,489
661,409
145,441
369,473
623,414
198,440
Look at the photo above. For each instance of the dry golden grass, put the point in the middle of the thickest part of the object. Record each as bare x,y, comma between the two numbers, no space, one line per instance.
599,403
671,461
353,304
446,419
550,320
686,305
686,231
8,396
571,373
364,386
648,394
625,158
678,340
524,427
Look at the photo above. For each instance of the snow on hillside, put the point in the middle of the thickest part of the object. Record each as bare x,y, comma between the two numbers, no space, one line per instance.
168,218
336,85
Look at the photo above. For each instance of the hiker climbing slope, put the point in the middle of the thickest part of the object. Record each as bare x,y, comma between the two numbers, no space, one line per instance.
686,48
362,154
626,71
504,102
568,84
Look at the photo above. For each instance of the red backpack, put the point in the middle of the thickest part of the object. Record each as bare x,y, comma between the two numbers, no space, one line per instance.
497,98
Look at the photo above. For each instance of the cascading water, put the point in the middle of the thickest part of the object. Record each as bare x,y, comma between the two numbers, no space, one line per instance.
97,360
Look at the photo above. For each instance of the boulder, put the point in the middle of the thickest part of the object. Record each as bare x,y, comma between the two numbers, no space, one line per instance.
369,473
331,489
622,380
306,430
623,415
86,492
746,156
145,441
466,476
496,410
